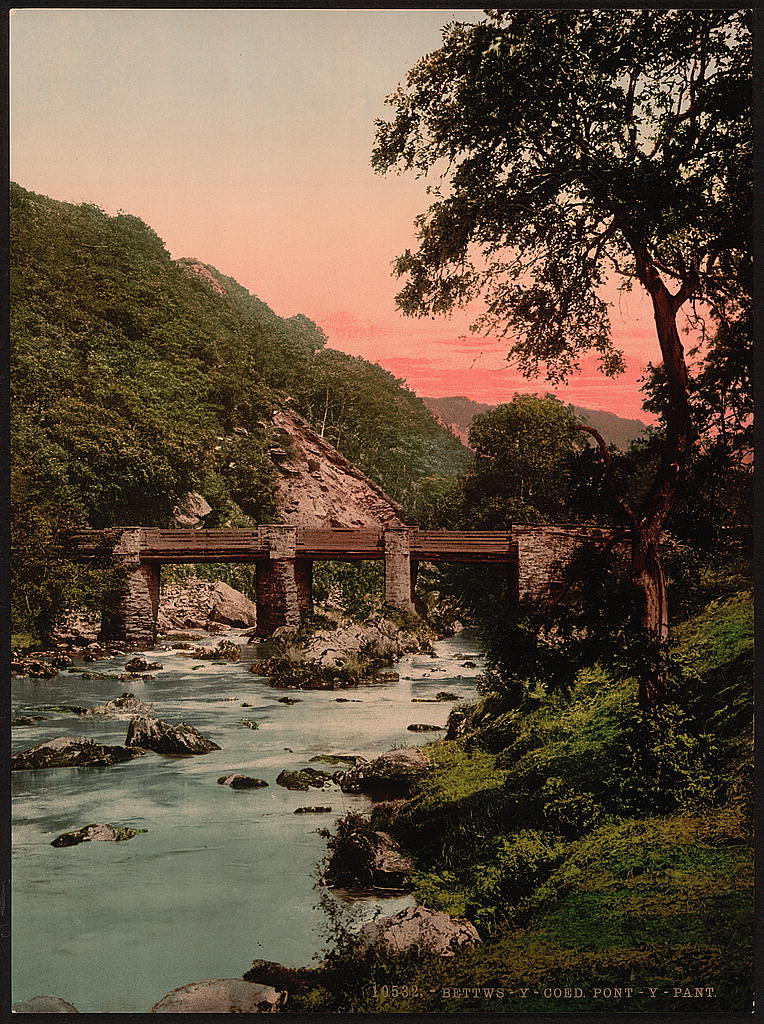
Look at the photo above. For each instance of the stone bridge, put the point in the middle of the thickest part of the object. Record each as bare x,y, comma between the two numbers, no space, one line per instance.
536,557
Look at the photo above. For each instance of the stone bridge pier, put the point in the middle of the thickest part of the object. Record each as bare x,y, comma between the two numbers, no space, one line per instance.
130,615
284,582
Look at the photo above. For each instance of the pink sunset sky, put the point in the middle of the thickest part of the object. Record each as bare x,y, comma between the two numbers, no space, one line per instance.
243,137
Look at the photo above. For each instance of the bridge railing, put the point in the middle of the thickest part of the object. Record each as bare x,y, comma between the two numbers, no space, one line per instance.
341,541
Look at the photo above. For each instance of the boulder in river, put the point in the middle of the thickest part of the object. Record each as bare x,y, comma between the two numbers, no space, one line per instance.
166,737
138,665
124,706
349,759
290,700
302,780
419,926
238,781
224,650
97,833
72,752
226,995
318,809
249,723
391,774
27,720
231,608
422,727
268,972
362,857
44,1004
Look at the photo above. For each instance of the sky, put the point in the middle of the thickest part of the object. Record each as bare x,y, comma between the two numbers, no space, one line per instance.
243,137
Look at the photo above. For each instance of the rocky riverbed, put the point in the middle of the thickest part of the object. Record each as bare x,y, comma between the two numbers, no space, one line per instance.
210,866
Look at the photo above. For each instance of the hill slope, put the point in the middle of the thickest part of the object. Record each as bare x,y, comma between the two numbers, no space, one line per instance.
458,412
138,378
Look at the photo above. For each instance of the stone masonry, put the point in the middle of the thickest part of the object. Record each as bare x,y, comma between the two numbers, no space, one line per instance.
132,616
543,553
398,576
284,582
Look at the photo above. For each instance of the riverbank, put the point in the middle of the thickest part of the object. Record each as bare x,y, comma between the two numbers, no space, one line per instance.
607,864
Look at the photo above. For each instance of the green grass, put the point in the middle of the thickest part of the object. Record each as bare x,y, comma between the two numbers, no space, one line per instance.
591,848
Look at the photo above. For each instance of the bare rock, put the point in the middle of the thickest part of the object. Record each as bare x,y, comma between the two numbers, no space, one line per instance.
362,857
302,780
227,995
138,665
167,738
394,773
44,1004
230,607
72,752
238,781
192,509
97,833
419,926
124,706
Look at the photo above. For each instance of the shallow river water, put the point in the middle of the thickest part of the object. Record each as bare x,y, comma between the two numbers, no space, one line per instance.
222,876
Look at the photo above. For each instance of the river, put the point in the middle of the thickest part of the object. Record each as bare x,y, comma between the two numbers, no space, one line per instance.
222,876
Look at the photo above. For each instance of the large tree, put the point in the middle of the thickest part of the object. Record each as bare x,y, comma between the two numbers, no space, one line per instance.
566,149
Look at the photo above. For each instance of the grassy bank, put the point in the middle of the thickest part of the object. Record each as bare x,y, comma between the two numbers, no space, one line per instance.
592,850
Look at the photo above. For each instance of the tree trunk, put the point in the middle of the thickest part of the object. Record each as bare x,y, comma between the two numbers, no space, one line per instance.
645,561
648,524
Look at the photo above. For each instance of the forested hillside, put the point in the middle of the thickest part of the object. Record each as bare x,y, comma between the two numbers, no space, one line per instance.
138,378
458,412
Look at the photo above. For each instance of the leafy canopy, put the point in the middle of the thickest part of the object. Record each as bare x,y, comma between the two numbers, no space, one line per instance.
569,146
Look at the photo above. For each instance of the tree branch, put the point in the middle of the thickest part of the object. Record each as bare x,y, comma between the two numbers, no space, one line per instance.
607,459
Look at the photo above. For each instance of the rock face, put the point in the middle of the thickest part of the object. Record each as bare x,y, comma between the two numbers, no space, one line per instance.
124,706
230,607
418,926
44,1004
238,781
72,752
319,487
97,833
392,774
167,738
228,995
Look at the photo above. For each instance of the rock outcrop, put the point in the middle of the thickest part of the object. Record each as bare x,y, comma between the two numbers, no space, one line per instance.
394,773
319,487
97,833
226,995
167,738
72,752
419,926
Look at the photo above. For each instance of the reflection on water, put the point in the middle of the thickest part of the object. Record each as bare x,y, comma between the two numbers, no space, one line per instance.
222,876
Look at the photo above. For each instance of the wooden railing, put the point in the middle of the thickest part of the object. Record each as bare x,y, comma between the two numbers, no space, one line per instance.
222,545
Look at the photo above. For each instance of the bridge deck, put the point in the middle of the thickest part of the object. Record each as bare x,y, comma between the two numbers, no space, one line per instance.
249,545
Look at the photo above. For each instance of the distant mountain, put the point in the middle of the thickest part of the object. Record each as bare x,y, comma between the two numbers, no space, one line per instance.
458,412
